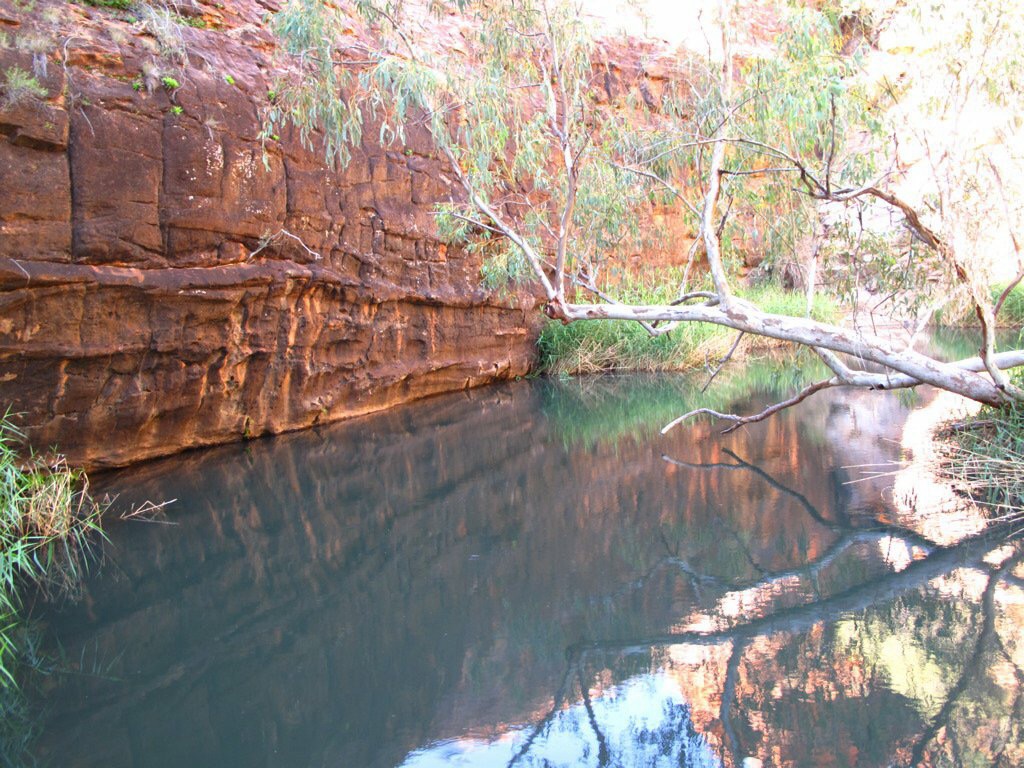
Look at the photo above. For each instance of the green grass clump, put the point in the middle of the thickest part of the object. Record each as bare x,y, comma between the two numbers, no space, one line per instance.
46,519
19,85
196,22
591,346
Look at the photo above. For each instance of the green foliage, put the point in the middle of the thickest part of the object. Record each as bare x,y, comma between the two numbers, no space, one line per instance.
169,83
490,110
20,85
229,79
310,33
138,84
894,264
177,110
1012,312
1011,315
46,519
505,267
519,87
196,22
804,99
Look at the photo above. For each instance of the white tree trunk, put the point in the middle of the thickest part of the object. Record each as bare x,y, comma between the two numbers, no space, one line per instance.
741,316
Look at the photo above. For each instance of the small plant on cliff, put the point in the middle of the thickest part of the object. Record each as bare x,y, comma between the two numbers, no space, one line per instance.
20,85
170,83
47,518
162,24
196,22
120,5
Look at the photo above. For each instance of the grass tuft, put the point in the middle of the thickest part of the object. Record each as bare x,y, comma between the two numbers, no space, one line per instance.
20,85
47,517
121,5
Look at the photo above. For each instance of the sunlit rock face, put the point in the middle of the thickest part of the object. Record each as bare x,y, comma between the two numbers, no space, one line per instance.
135,320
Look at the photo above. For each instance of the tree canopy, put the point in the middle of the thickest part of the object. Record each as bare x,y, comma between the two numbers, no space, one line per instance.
555,177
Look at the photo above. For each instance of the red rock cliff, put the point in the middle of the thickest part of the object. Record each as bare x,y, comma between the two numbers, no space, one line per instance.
134,320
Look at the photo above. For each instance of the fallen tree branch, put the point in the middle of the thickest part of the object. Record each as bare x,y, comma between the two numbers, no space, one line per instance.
771,410
960,378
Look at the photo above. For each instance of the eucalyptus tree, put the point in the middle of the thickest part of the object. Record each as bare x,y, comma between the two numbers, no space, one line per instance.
551,180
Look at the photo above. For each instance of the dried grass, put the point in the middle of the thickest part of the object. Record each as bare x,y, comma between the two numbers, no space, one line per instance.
984,459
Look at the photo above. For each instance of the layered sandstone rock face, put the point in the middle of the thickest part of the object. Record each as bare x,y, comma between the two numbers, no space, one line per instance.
135,319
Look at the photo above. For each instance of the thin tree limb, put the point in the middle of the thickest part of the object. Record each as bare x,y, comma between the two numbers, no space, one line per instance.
722,362
739,421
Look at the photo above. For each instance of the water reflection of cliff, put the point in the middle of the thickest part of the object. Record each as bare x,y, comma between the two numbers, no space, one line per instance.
355,595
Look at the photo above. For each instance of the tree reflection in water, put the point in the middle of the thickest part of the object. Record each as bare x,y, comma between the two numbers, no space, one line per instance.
857,632
854,638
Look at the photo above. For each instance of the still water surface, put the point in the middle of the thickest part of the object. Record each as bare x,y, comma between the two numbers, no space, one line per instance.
530,575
